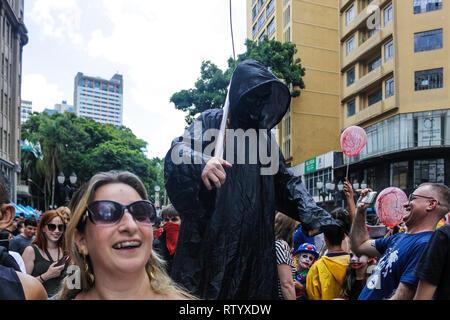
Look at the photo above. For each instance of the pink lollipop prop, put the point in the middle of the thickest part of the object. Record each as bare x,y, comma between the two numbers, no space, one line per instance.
389,206
353,140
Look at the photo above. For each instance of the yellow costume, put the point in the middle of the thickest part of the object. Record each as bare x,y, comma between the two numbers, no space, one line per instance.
325,277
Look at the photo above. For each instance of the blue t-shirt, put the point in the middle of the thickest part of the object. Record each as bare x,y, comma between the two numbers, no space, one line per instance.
399,256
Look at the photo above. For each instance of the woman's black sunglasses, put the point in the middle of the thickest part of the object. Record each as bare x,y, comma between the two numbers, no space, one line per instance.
107,212
52,227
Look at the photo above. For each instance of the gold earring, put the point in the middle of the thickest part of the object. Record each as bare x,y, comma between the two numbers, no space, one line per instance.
90,275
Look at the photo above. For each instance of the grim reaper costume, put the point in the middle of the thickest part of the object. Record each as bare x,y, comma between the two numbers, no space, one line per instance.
226,244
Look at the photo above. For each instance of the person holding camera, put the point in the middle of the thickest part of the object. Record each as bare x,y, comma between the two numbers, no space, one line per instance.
393,277
46,259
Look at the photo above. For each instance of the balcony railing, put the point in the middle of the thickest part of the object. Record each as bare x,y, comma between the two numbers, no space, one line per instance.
367,80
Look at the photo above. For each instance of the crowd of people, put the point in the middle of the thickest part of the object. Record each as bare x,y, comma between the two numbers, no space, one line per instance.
236,230
123,250
406,263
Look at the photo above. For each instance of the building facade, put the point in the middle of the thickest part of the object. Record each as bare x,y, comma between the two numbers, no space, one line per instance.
99,99
26,109
13,36
392,80
63,107
395,84
313,27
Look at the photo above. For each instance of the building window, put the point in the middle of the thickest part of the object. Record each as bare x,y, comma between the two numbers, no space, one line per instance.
389,51
428,40
388,15
349,15
254,12
399,175
428,171
350,76
271,27
350,45
390,87
421,6
429,79
375,97
287,16
287,35
287,148
260,3
270,7
351,108
311,180
374,31
261,20
374,64
261,37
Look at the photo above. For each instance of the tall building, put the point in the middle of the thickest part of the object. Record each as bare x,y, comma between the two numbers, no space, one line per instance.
394,83
13,36
392,72
311,127
26,109
63,107
99,99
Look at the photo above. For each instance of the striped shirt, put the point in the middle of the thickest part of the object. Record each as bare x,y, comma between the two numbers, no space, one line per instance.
283,252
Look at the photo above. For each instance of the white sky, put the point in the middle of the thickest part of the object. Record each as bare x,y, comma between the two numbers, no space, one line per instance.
157,46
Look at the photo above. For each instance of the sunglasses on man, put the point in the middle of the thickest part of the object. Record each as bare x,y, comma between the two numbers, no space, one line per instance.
413,196
107,212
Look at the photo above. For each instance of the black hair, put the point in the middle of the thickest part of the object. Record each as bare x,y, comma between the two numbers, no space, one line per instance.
31,221
336,234
342,217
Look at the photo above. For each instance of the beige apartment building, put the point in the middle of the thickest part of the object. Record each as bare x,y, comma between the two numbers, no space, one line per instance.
394,65
13,36
311,126
392,79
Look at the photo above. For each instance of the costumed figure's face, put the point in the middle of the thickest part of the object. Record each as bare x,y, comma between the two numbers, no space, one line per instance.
250,113
305,260
175,220
358,262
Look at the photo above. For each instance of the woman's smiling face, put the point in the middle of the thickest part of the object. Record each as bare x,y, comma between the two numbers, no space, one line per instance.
124,247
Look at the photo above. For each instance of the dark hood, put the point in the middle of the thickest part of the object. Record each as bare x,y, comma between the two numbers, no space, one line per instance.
258,99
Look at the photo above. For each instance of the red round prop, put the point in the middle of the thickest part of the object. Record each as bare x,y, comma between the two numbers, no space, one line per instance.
389,206
353,140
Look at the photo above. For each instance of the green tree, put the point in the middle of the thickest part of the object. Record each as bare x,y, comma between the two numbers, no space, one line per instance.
74,144
210,89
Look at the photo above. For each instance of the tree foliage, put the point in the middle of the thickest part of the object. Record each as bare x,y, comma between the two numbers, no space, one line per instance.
210,89
74,144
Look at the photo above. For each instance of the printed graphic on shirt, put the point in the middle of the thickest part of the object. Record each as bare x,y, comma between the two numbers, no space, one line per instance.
383,268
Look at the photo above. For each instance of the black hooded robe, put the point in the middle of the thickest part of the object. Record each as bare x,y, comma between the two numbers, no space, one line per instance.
226,244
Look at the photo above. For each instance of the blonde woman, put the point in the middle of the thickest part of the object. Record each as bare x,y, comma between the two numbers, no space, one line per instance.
110,240
65,212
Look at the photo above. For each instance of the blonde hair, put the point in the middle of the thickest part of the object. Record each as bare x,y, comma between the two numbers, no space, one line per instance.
160,282
63,211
